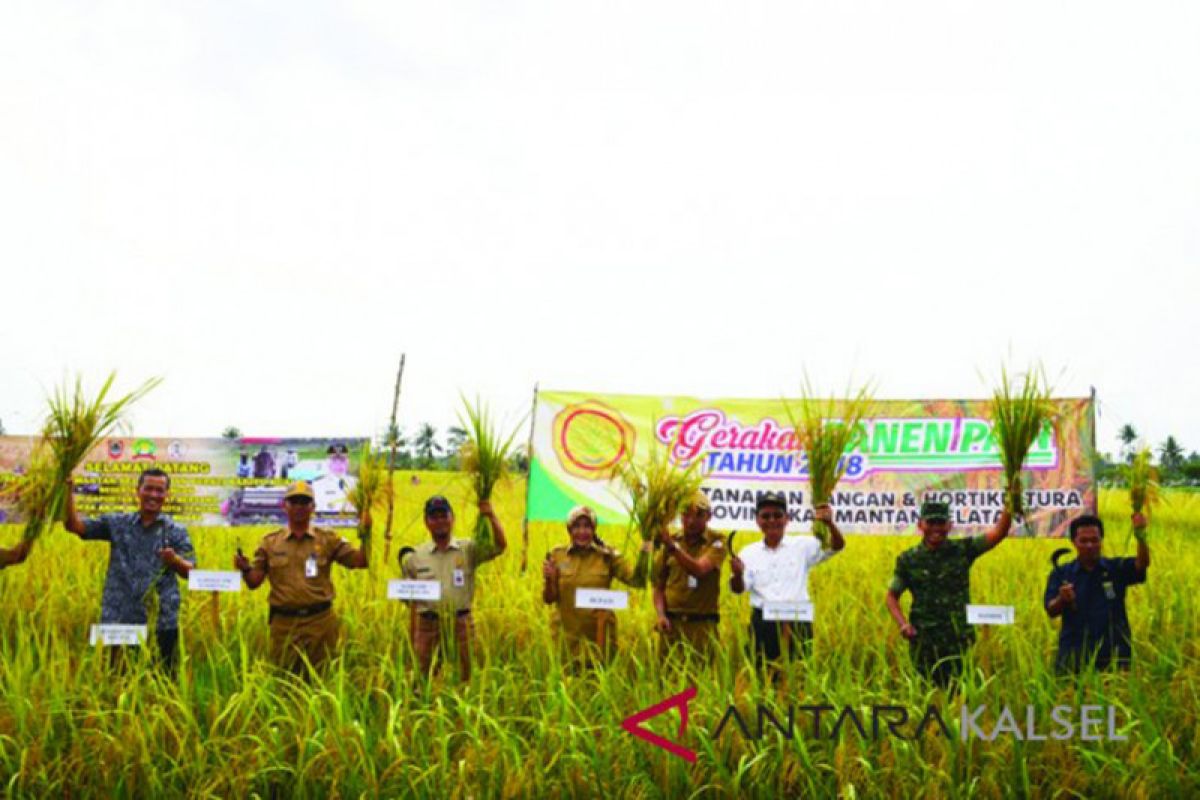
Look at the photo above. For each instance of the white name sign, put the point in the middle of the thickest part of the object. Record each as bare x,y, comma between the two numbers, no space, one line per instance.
601,598
111,635
201,580
414,590
991,615
788,612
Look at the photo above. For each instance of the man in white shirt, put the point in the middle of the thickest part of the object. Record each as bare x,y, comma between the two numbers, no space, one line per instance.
775,570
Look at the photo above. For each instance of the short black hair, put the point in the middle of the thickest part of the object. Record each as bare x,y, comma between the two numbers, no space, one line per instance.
1086,521
153,472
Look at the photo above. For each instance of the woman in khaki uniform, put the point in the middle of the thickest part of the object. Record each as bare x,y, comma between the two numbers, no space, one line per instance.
587,563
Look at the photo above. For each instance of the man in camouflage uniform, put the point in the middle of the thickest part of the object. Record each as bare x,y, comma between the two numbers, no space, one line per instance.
297,560
938,573
687,580
148,551
452,563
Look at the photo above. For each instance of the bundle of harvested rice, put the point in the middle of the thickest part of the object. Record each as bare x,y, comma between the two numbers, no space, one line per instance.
371,490
484,457
74,426
824,428
1020,412
656,490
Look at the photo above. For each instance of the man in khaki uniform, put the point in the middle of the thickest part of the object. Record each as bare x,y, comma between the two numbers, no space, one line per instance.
452,563
687,579
297,560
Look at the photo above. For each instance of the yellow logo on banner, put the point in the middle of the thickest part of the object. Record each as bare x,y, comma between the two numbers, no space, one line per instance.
590,438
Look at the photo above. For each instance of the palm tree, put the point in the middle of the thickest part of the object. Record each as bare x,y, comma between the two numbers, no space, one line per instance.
456,437
1128,436
1170,454
425,445
232,433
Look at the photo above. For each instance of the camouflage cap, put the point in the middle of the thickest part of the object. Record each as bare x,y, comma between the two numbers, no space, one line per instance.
935,511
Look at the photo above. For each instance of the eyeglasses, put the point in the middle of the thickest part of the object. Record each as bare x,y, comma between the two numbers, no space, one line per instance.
299,501
772,515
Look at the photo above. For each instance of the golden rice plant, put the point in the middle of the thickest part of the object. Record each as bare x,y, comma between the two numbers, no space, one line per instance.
75,425
656,490
1022,408
484,457
371,490
824,428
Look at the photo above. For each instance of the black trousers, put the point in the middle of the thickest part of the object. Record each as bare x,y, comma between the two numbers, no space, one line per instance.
940,661
768,637
166,657
168,649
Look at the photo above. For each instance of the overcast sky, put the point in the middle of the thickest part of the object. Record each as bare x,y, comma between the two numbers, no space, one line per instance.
267,203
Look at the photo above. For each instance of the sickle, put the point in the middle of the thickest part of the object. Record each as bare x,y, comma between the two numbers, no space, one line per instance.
404,553
1057,555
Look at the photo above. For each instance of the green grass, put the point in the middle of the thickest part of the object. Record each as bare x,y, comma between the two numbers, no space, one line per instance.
525,727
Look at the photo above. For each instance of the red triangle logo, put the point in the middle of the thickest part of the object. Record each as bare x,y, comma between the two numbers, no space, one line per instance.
633,724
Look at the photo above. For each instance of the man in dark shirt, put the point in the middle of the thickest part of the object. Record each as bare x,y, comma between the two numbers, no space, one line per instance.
148,552
1089,595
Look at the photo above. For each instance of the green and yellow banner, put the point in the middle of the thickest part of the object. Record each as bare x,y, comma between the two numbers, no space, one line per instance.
909,451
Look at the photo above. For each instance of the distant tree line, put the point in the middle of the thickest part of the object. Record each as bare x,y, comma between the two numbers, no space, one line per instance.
423,448
1176,466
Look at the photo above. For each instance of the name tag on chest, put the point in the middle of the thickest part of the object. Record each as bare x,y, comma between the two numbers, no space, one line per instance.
460,578
692,583
991,615
201,580
414,590
310,567
788,612
601,598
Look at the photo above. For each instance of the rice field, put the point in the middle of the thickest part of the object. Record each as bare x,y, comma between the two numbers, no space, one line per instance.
527,726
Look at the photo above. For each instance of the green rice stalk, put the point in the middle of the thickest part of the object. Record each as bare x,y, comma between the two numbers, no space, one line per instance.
1143,482
1142,477
371,490
484,457
1021,410
824,428
75,424
656,490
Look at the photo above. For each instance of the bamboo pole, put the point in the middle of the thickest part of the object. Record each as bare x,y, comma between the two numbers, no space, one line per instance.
392,434
528,481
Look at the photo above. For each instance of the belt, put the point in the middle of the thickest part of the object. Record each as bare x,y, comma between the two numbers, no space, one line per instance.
693,617
462,612
303,611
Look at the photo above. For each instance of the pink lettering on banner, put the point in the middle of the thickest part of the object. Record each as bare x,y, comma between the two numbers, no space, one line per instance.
709,429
